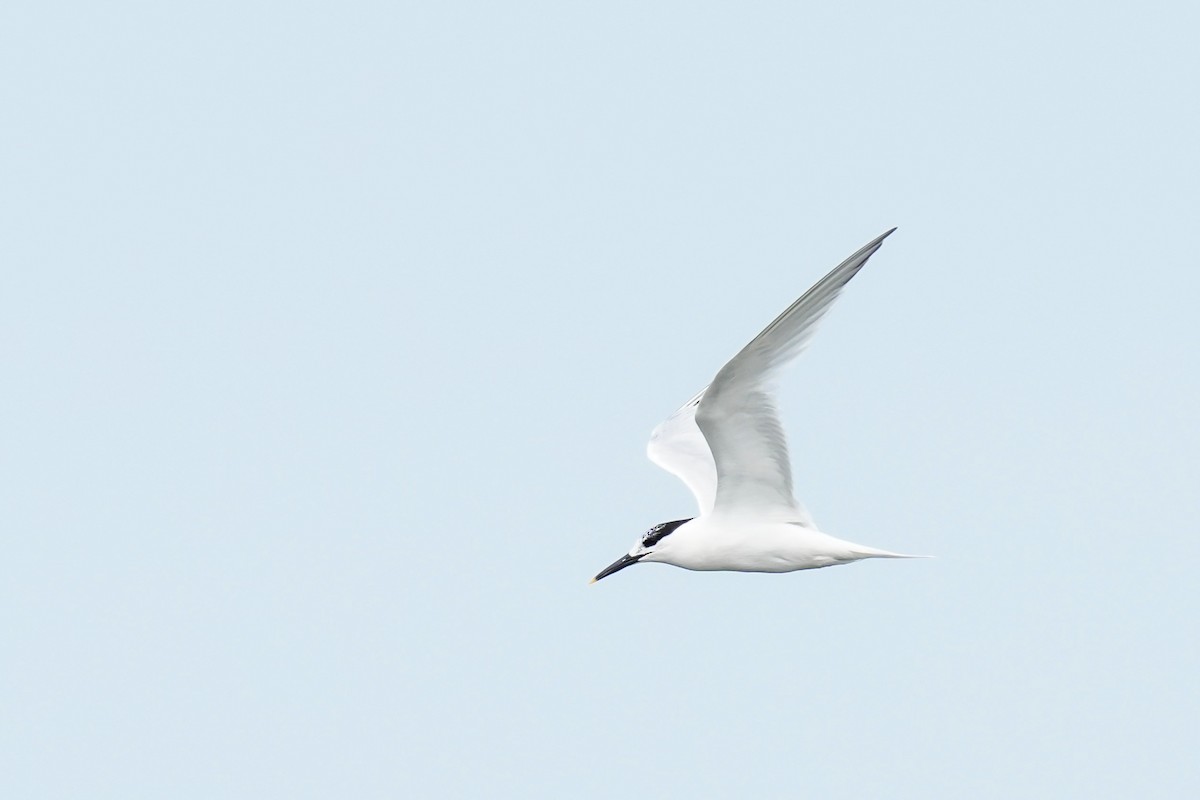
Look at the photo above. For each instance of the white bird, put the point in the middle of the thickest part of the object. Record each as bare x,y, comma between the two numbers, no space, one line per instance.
728,446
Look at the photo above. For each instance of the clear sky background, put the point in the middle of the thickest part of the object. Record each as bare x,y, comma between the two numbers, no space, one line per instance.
333,333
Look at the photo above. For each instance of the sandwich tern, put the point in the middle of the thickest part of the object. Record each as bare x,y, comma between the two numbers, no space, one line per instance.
727,445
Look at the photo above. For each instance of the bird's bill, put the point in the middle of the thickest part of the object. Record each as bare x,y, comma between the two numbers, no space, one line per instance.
618,565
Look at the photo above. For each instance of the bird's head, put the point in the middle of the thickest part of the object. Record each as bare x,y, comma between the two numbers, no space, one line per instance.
649,547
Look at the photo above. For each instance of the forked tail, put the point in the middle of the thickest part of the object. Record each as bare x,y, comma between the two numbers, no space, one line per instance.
862,551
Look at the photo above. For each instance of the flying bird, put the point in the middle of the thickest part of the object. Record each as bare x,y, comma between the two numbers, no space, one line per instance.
727,445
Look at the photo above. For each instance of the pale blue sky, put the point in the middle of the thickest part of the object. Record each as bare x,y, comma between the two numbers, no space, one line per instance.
333,333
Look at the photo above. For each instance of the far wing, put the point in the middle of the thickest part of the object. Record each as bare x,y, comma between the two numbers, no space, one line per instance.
737,414
678,446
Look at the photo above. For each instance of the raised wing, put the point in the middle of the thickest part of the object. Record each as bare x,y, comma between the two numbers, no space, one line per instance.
736,412
678,446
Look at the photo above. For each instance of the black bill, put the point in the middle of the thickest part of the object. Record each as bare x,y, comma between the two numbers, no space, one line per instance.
618,565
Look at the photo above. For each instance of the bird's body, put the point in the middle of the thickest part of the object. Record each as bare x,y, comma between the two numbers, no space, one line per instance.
727,445
719,542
